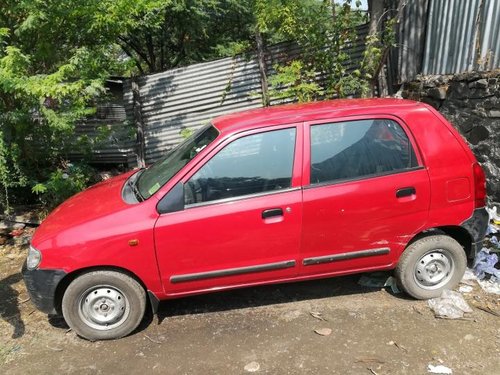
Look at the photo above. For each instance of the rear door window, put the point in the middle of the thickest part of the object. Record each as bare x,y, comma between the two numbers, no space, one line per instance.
253,164
358,149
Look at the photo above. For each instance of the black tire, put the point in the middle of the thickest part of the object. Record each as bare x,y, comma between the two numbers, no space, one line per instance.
430,265
104,305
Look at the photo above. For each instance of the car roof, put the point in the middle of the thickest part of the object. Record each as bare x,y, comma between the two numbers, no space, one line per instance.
294,113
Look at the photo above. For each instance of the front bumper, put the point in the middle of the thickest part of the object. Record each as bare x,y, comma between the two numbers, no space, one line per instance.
477,225
42,285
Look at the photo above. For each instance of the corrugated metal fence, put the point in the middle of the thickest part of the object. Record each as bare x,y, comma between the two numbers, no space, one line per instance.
435,37
188,97
448,37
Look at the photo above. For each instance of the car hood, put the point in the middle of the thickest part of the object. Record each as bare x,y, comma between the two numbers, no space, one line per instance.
100,200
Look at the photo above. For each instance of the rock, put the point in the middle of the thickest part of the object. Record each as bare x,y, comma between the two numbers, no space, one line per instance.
478,134
495,114
438,92
459,90
252,367
479,84
323,331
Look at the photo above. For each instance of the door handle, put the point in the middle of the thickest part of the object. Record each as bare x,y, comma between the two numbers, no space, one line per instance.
406,192
272,212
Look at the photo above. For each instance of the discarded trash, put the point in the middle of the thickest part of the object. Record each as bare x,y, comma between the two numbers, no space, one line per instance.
465,289
373,280
494,226
485,264
494,241
439,369
323,331
492,213
492,229
490,286
468,276
379,280
401,347
252,367
17,232
450,305
317,315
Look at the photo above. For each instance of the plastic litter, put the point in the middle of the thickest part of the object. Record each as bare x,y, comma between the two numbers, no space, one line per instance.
485,264
494,241
490,286
468,275
494,218
439,369
491,229
451,305
379,280
252,367
493,214
465,289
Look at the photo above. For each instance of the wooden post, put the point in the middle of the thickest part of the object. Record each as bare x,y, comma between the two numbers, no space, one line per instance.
261,57
139,124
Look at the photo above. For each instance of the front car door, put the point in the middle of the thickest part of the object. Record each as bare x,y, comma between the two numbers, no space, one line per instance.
241,221
366,192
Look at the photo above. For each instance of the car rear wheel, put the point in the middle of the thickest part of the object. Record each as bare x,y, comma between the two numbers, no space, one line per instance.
104,305
430,265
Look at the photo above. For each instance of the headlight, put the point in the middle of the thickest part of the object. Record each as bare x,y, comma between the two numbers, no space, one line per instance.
34,258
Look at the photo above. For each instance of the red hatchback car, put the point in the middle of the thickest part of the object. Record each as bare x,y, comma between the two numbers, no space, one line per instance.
265,196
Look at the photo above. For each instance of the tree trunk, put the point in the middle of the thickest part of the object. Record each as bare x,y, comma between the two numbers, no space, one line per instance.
261,57
375,9
139,125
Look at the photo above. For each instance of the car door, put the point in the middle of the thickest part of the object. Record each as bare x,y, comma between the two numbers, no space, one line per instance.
366,193
242,214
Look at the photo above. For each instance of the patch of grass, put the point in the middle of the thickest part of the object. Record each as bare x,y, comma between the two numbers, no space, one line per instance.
7,351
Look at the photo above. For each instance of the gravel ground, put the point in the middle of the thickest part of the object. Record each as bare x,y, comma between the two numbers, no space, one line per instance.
268,330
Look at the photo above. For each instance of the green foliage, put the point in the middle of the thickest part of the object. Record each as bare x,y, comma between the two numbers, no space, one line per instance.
377,48
63,183
51,73
55,56
293,80
323,33
186,133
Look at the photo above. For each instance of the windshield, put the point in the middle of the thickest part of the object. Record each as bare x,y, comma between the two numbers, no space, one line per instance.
158,174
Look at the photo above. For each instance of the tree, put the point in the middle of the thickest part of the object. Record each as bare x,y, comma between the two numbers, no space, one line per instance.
323,30
55,55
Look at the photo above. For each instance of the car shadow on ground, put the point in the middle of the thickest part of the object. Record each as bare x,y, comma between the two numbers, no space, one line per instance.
9,308
265,295
252,297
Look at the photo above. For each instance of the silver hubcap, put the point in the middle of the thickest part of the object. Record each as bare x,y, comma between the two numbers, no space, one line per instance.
103,307
434,269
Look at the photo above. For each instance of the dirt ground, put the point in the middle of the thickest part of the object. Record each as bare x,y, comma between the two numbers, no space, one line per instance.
267,330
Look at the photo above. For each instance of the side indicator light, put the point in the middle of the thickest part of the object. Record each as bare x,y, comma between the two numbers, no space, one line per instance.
133,242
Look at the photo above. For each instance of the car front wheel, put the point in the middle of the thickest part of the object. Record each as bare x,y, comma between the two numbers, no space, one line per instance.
104,305
430,265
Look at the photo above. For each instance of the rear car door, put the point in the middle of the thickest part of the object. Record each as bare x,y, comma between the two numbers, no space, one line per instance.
242,214
366,192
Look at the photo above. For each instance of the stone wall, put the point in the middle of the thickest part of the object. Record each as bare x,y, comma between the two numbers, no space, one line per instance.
471,102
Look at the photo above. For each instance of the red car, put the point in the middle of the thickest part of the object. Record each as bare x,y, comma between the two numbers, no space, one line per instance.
272,195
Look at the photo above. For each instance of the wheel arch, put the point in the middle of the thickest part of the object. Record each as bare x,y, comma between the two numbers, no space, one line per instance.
64,283
458,233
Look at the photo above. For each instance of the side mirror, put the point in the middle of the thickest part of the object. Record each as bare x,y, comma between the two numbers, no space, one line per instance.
172,201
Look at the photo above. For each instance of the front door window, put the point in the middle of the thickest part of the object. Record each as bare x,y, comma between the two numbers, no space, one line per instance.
258,163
